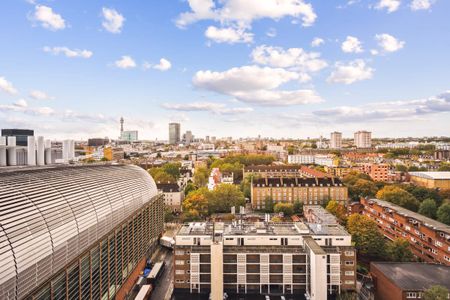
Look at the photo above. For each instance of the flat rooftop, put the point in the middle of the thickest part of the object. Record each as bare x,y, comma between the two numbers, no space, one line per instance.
414,276
433,224
444,175
260,228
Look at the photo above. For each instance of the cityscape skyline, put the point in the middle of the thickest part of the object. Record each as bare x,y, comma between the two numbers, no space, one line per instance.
244,71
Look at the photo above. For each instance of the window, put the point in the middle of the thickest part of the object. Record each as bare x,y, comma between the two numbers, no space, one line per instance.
349,273
349,263
179,252
179,262
179,272
411,295
349,282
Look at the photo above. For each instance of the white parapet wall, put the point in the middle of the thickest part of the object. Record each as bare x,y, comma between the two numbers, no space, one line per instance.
12,154
3,162
217,271
31,151
40,159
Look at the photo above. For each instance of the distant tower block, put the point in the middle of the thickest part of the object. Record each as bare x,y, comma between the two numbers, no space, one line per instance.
121,125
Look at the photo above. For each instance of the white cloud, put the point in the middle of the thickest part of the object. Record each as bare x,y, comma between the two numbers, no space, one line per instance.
216,108
244,12
389,43
316,42
374,51
272,32
48,18
257,85
390,5
163,65
126,62
351,72
295,59
21,103
69,52
7,86
388,111
113,20
228,35
40,95
352,45
420,4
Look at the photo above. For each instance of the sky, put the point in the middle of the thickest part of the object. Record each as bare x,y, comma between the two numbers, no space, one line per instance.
240,68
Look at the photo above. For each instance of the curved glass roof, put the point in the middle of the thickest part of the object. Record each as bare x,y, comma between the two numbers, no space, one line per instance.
49,216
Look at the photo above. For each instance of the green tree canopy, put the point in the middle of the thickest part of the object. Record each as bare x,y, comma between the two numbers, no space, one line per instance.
436,292
399,251
401,168
223,197
398,196
286,208
173,169
298,207
201,176
428,208
368,240
337,209
443,213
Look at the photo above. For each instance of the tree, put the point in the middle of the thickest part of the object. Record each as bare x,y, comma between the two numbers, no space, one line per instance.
223,197
443,213
338,210
286,208
298,207
368,240
423,193
159,175
398,196
401,168
436,292
268,204
173,169
196,203
364,188
201,177
189,188
428,208
444,167
399,251
168,215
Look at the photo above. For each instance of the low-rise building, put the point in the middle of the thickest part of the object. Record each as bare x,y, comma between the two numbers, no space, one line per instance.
173,195
282,171
264,258
399,281
378,172
305,190
431,180
428,238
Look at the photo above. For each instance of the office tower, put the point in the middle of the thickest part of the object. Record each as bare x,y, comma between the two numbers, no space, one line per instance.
82,232
174,133
21,135
188,138
363,139
336,140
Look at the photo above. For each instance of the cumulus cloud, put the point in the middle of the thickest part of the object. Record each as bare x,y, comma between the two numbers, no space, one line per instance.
21,103
244,12
272,32
389,5
254,84
7,86
352,45
216,108
71,53
388,43
351,72
316,42
228,35
48,18
40,95
163,65
420,4
112,20
294,59
126,62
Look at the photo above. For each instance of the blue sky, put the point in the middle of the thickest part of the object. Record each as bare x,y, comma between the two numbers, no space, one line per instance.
226,68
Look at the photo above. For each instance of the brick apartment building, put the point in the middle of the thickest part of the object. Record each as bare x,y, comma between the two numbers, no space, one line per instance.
378,172
405,281
306,190
283,171
428,238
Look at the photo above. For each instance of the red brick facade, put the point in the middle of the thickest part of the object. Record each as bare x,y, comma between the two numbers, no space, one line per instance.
429,239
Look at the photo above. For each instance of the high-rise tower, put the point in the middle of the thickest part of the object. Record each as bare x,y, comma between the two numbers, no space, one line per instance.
121,125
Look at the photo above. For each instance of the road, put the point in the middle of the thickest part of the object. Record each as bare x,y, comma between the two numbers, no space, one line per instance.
164,285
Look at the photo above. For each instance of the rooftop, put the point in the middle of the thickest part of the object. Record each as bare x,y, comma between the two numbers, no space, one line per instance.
298,181
444,175
414,276
433,224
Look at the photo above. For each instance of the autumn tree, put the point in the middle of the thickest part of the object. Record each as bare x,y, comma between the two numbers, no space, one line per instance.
368,240
428,208
201,177
223,197
286,208
399,250
436,292
196,203
398,196
337,209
